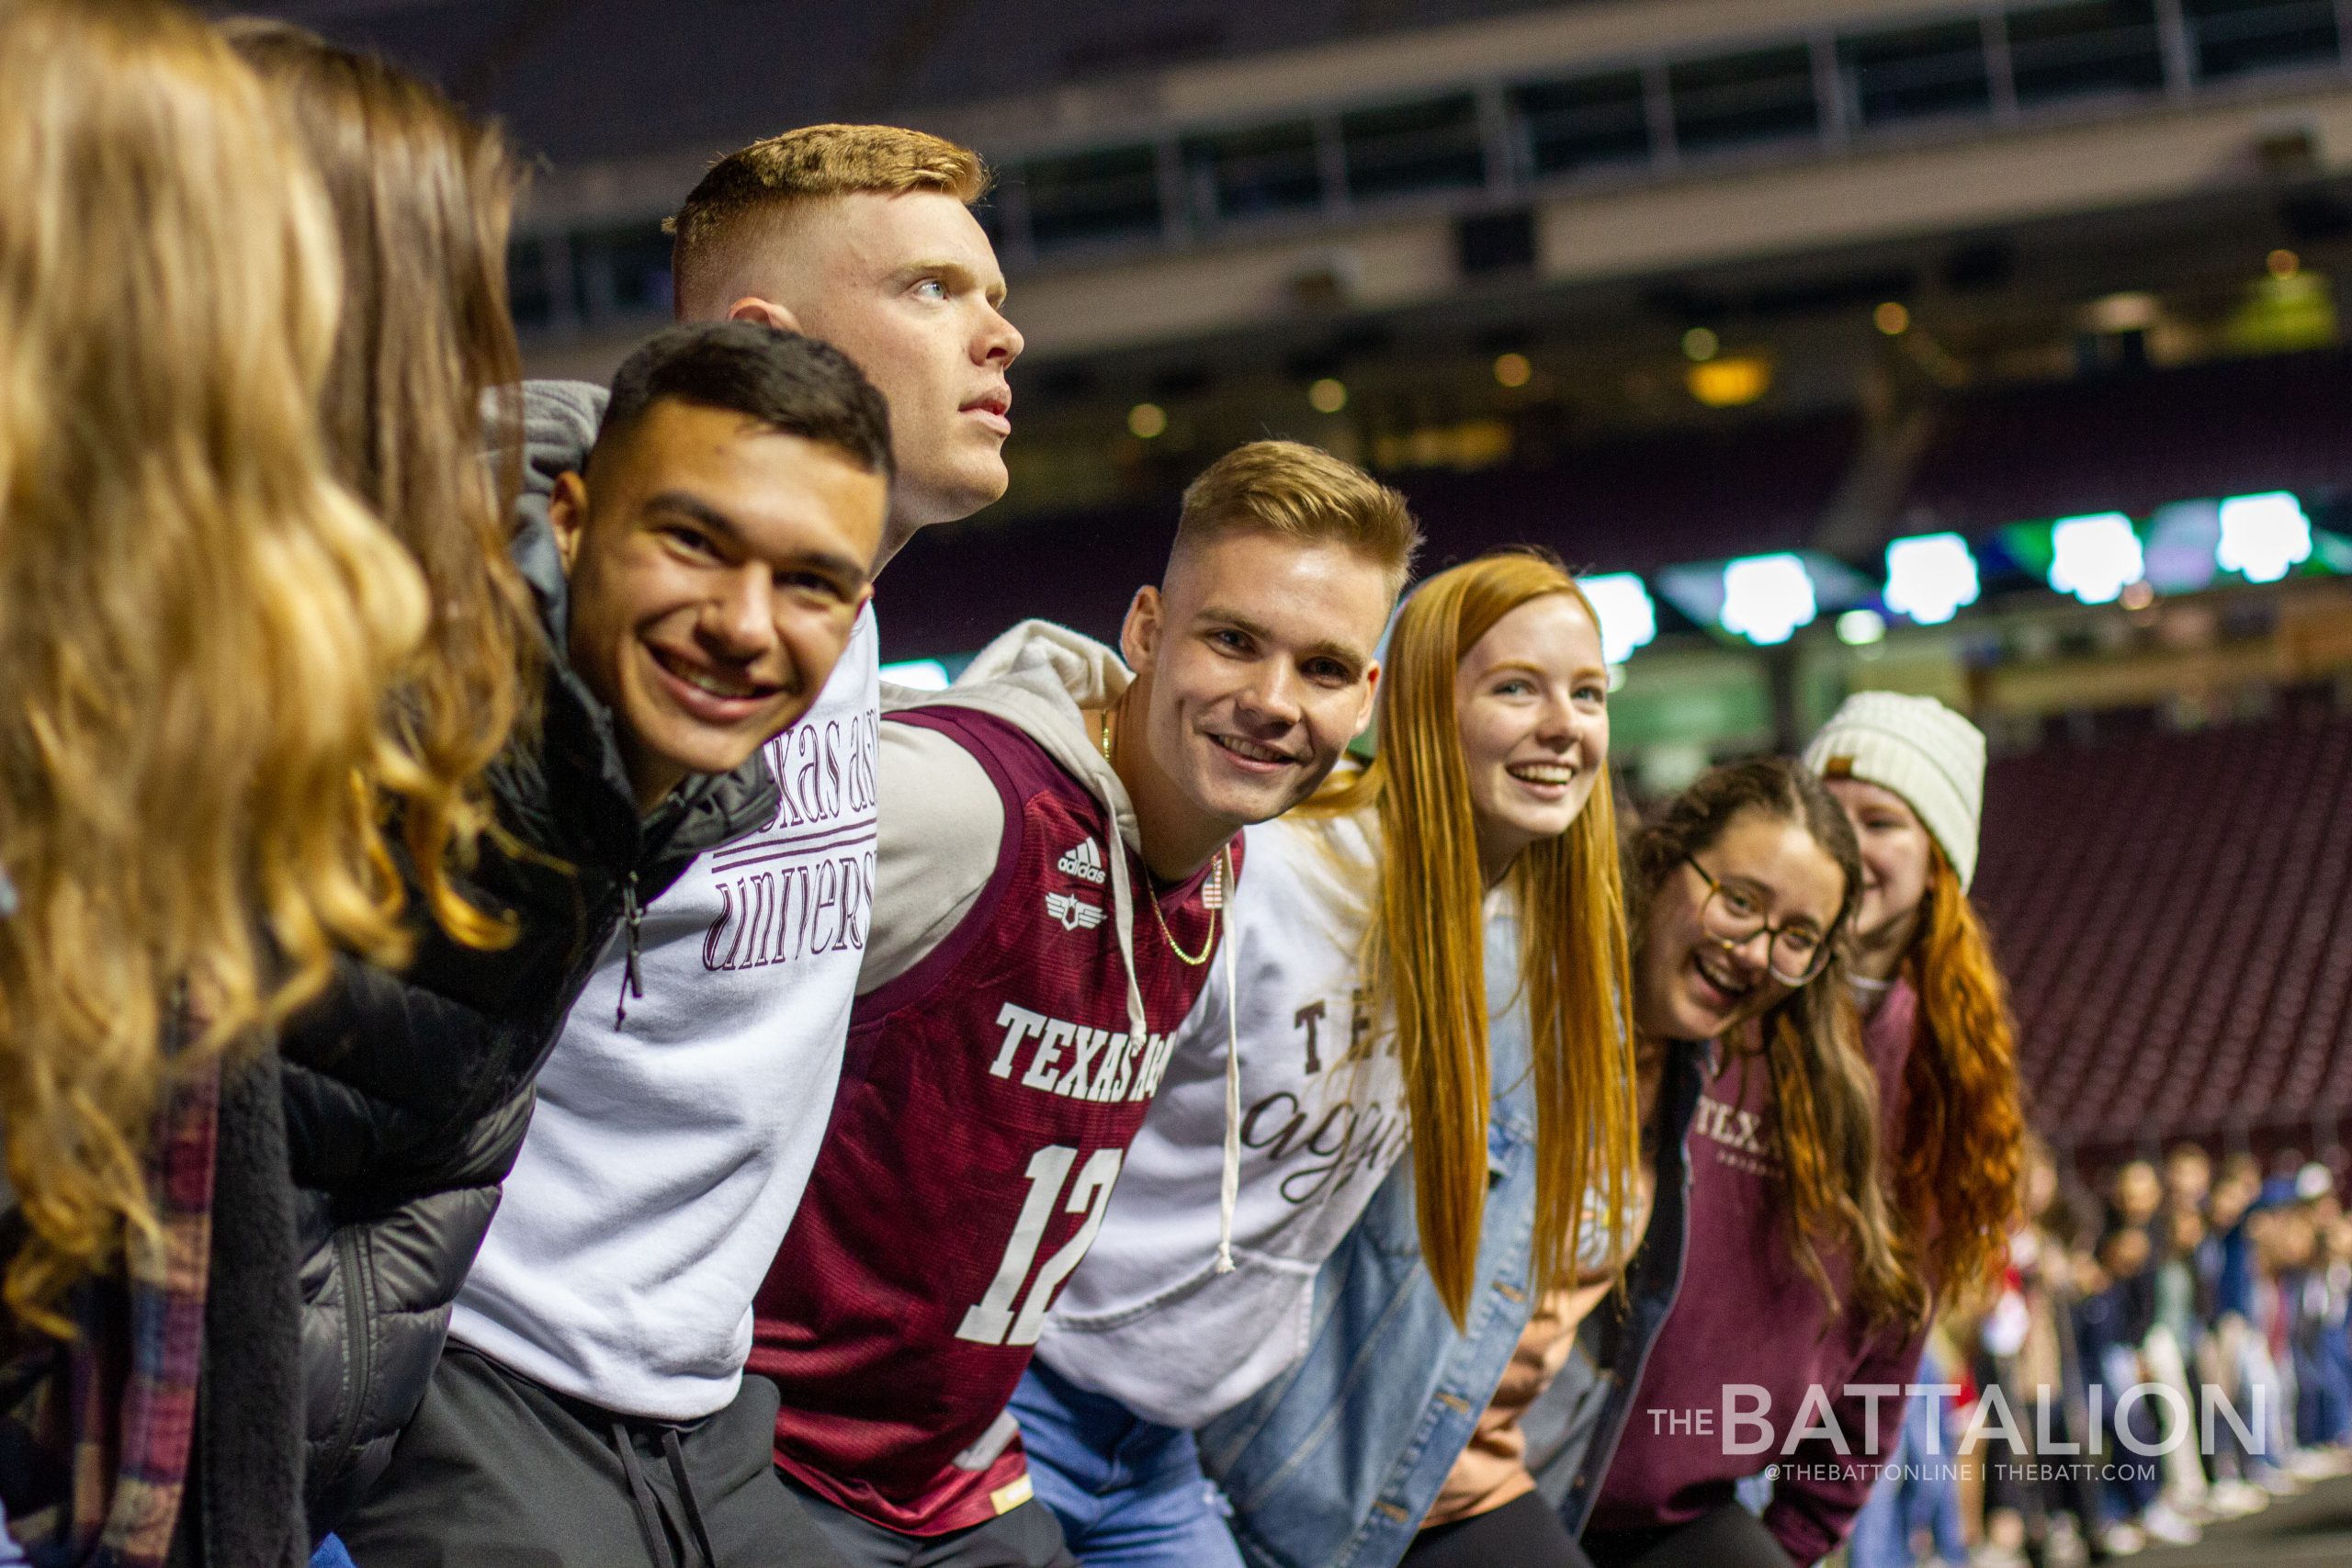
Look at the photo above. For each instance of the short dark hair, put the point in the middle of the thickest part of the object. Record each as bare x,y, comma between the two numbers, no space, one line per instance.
781,380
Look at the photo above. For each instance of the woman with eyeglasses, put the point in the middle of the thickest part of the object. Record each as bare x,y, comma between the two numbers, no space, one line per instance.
1796,1283
1398,1437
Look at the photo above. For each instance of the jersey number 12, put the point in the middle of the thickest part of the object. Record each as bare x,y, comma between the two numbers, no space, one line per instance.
993,1322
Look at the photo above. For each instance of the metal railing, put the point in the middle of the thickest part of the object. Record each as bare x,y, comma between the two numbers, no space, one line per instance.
1617,121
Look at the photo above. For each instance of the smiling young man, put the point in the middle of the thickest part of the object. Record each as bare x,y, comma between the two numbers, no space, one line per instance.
701,574
726,548
682,1109
1047,902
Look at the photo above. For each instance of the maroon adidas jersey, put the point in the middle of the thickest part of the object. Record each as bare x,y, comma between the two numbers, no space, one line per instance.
987,1100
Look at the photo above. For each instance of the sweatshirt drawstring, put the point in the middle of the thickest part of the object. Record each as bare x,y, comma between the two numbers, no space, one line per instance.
1123,913
1215,894
1229,1183
632,919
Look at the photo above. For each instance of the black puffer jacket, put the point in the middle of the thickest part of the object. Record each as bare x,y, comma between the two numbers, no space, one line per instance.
407,1095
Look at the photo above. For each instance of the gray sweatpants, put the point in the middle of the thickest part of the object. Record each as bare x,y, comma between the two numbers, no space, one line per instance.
497,1470
1025,1537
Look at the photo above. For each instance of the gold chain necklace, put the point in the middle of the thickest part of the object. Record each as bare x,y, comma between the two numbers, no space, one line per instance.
1212,899
1212,892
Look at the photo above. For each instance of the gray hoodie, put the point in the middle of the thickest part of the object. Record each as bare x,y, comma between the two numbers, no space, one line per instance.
932,860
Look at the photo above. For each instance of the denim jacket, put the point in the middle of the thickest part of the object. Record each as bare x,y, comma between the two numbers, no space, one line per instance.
1573,1428
1334,1463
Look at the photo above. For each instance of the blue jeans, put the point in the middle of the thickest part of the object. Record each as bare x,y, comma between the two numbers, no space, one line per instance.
1129,1493
1914,1493
331,1554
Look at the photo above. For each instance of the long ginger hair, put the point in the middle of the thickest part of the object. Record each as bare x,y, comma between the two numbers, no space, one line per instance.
198,624
424,199
1425,951
1824,1097
1960,1163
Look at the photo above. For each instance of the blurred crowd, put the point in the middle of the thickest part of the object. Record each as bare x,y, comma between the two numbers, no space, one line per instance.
2169,1347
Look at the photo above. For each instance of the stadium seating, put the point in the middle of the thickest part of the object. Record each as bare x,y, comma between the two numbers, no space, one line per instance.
553,71
2175,915
2133,441
1628,505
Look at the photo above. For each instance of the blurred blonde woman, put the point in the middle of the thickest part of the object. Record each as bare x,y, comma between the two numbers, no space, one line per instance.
423,197
197,626
1365,925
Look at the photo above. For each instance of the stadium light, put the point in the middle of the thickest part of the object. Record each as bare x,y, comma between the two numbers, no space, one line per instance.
1930,576
2095,558
1861,628
1730,383
2182,540
917,674
2263,536
1628,614
1766,598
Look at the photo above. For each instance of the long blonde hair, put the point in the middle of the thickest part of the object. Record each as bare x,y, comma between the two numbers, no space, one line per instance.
196,623
1426,950
423,198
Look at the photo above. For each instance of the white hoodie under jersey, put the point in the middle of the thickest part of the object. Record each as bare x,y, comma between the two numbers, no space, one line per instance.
675,1129
1148,1319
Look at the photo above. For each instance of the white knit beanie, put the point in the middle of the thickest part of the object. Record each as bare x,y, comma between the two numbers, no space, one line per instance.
1923,752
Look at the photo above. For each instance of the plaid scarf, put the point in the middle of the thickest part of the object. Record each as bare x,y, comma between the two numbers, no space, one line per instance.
108,1417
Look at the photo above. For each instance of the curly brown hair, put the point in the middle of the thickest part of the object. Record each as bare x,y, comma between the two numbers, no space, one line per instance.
1959,1160
1826,1098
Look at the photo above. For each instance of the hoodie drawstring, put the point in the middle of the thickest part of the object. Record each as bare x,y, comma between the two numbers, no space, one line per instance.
1229,1183
632,918
1215,894
1122,910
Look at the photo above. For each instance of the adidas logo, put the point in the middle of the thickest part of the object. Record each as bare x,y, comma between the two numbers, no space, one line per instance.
1074,912
1085,863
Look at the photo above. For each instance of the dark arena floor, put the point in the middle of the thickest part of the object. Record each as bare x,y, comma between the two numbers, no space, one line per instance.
2313,1529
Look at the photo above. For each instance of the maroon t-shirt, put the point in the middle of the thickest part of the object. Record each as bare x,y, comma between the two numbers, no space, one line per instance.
987,1100
1750,1336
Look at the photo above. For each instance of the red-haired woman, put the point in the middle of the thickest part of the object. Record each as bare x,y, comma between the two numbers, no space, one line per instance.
1911,774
